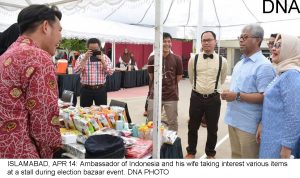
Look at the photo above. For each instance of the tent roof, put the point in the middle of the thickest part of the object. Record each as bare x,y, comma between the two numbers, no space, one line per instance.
180,17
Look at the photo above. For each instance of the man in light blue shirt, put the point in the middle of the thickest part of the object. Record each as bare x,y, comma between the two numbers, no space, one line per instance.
250,77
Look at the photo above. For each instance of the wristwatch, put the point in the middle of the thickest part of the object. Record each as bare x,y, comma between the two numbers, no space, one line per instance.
238,96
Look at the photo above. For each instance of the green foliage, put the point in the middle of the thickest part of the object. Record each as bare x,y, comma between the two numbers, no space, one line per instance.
73,44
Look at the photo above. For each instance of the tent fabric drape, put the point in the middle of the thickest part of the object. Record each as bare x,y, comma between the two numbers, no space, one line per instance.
232,16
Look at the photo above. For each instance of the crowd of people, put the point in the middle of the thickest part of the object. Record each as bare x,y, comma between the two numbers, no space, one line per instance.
262,101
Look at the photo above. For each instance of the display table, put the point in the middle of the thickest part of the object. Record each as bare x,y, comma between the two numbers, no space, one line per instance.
69,82
102,125
113,82
119,79
142,78
166,152
129,79
171,151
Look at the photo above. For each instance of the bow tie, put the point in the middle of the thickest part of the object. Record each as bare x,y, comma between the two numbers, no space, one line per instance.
205,56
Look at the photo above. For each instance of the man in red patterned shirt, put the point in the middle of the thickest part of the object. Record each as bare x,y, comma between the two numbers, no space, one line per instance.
93,67
29,125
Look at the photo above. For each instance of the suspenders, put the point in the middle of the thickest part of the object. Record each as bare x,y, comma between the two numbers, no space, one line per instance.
218,75
219,72
195,71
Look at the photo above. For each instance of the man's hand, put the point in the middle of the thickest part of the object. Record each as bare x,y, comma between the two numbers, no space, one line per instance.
285,152
87,55
258,133
223,94
102,60
228,95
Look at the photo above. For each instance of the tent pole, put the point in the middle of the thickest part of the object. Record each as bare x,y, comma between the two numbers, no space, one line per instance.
113,54
199,26
157,80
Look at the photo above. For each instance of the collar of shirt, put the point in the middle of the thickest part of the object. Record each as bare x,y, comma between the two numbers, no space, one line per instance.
26,40
254,57
167,56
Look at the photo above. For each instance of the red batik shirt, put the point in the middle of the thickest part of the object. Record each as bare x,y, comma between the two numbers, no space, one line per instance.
29,125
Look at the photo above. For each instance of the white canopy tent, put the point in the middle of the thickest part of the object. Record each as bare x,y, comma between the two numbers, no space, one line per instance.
90,18
179,17
105,30
79,26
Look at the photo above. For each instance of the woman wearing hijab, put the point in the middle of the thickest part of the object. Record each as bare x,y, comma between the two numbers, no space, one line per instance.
124,58
281,114
127,61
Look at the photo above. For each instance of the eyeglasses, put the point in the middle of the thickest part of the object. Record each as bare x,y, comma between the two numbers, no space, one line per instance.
270,44
245,37
207,40
277,45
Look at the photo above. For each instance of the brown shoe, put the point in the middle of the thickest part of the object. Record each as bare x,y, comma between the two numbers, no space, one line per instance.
210,157
189,156
145,113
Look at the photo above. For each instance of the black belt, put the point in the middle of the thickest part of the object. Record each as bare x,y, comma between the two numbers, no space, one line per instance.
205,96
93,87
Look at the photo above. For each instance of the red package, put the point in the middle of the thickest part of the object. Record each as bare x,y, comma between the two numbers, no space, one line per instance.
139,149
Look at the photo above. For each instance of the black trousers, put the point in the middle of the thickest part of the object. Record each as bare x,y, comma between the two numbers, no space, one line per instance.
146,104
198,107
87,96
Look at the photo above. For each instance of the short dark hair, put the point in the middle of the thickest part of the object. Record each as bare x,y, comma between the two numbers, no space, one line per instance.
213,34
166,35
30,17
93,40
274,35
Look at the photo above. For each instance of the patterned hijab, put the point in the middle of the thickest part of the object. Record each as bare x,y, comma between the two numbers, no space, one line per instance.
289,54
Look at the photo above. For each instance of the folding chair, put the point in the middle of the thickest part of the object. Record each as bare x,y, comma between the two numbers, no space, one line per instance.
67,96
123,105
